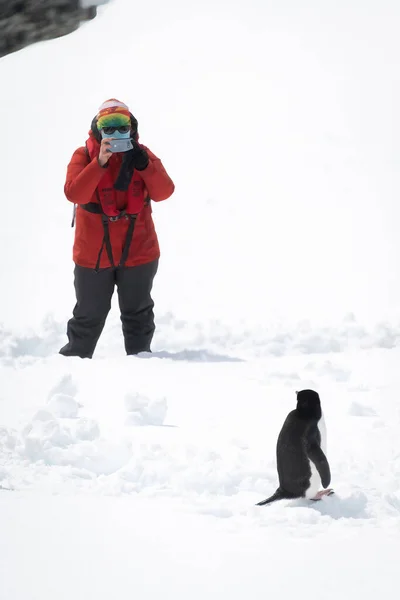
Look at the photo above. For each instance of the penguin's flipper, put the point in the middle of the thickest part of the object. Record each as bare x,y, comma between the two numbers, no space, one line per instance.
279,495
316,454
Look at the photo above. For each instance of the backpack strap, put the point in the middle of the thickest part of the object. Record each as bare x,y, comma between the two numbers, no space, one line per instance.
96,208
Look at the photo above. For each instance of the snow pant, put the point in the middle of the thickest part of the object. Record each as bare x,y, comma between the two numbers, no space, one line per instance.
94,290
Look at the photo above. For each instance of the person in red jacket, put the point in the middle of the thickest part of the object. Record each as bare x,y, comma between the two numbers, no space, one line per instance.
115,239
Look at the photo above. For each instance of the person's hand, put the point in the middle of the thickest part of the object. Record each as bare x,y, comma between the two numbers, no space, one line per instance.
105,153
140,158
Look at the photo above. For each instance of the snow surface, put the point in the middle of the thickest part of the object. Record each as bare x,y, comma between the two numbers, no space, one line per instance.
128,477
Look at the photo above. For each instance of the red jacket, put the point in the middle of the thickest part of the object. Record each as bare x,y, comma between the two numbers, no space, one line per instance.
80,187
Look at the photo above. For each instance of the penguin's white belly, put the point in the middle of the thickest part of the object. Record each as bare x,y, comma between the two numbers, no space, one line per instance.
322,430
315,482
315,479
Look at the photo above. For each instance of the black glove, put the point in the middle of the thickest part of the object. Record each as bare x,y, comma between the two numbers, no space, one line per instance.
140,158
137,158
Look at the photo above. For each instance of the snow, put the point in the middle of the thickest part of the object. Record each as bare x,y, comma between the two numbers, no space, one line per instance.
106,550
146,478
125,476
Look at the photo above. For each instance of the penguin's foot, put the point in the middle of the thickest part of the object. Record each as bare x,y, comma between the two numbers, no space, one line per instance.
323,493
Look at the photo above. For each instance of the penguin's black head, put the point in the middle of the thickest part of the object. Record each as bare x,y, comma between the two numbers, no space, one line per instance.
308,404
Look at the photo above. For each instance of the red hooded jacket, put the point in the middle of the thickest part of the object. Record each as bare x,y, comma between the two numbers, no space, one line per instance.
82,180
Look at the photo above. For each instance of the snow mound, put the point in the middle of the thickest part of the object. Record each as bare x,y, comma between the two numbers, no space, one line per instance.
143,410
66,386
60,442
64,406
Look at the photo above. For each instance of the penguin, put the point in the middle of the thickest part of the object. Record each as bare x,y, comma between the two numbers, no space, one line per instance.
301,452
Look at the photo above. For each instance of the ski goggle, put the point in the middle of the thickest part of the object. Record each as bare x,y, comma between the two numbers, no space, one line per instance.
121,129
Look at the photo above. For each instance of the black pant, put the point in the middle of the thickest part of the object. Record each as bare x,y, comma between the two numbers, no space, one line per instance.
94,290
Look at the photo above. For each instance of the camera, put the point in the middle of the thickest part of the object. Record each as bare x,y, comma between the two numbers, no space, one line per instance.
121,145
